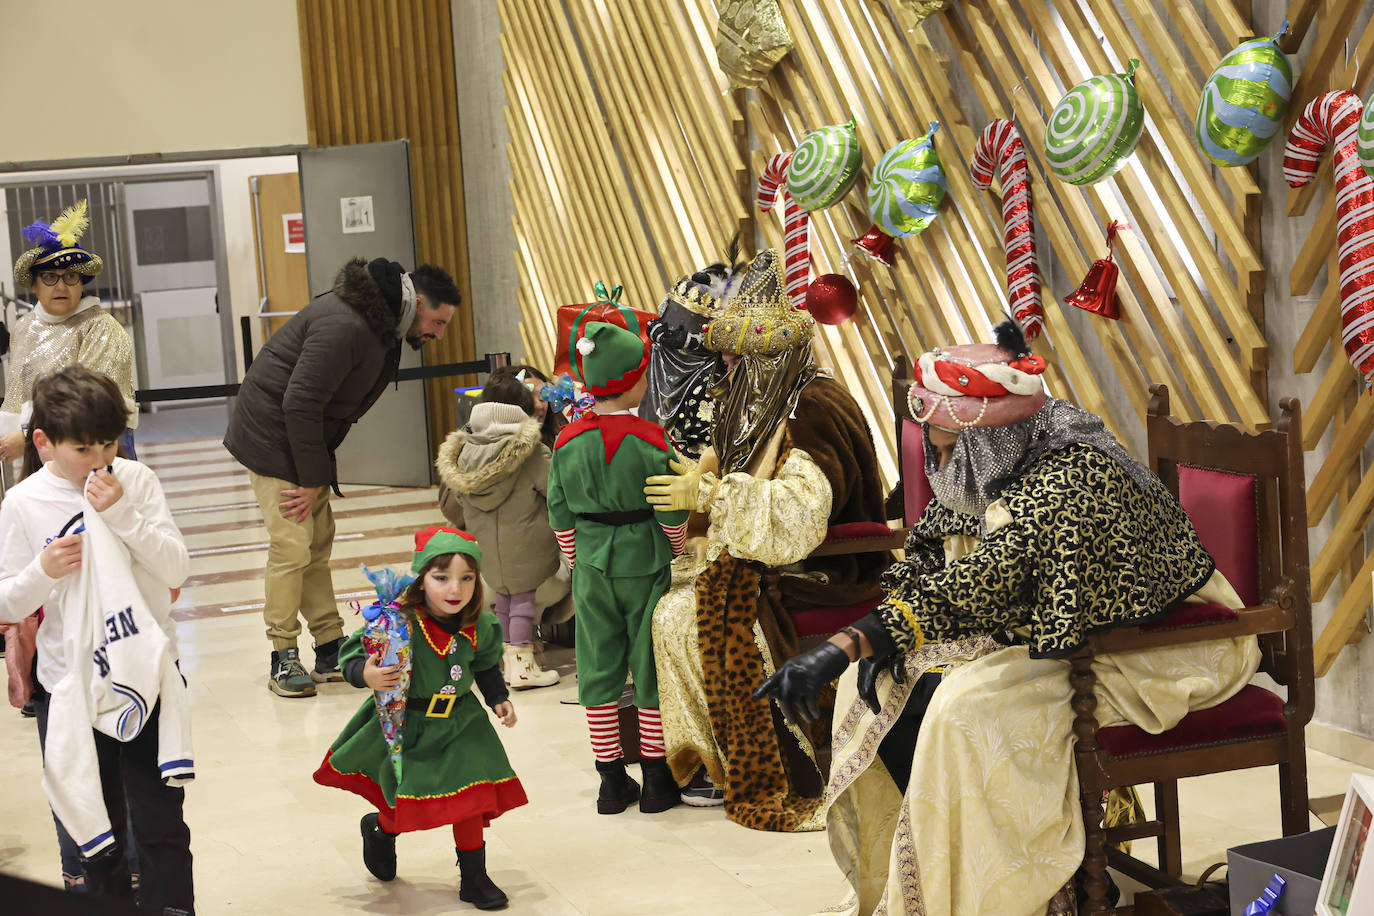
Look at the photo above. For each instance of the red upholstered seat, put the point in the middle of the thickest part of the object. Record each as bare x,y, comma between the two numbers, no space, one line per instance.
1193,615
826,621
916,491
1251,713
850,531
1225,513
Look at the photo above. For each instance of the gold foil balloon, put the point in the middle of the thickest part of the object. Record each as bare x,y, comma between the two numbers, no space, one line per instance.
923,8
750,38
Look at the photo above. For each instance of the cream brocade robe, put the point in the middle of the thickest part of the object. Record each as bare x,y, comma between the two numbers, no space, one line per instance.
991,821
777,522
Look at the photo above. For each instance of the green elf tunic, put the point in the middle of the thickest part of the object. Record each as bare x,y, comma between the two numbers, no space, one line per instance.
621,546
453,766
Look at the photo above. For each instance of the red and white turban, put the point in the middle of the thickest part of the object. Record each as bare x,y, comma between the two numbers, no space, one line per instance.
976,385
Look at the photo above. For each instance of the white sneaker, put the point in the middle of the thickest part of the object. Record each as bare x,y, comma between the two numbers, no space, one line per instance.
523,671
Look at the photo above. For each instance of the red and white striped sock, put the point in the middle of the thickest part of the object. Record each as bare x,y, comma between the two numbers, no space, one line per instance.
604,724
650,732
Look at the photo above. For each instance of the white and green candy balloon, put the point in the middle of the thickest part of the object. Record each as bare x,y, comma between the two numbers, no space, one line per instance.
825,166
1364,142
1095,128
1244,101
907,186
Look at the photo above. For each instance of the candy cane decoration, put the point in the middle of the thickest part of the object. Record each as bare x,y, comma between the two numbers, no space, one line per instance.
1333,118
796,243
1000,145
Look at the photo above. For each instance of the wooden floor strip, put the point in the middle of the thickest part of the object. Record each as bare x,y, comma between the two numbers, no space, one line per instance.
187,530
248,575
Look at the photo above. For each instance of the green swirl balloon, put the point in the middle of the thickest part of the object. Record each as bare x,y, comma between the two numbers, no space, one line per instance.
1095,128
825,166
1364,142
1243,102
907,187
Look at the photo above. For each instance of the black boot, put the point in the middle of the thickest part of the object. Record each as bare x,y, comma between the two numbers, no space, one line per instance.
379,849
474,885
618,790
107,874
660,788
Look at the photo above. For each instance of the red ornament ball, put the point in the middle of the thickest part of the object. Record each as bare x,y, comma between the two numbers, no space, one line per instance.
832,299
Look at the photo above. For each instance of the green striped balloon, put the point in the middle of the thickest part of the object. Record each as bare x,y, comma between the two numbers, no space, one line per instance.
1095,128
907,187
1243,102
825,166
1365,141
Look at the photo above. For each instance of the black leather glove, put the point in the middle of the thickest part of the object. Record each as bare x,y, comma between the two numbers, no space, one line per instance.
797,684
893,663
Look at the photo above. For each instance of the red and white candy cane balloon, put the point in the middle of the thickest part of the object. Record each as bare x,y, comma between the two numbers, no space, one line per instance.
1000,146
1333,118
796,245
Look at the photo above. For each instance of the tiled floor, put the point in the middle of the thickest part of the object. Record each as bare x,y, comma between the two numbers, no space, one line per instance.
269,840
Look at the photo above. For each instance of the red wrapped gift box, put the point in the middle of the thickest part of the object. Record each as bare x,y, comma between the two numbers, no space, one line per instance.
573,319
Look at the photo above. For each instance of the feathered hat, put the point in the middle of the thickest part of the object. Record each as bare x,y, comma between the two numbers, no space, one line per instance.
56,248
978,384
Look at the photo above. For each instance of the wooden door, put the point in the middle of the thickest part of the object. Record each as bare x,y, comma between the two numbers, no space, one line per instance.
281,246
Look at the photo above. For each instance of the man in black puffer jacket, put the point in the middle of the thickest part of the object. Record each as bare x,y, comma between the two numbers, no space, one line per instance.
310,382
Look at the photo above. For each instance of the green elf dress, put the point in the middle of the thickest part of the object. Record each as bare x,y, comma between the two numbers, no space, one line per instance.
454,765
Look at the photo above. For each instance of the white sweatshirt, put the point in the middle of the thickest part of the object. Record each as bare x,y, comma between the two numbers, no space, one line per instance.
34,513
105,666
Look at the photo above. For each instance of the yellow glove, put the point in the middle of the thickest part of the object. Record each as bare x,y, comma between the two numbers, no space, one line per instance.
674,492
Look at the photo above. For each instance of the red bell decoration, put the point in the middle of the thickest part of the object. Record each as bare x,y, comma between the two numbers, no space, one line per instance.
1097,292
832,299
878,244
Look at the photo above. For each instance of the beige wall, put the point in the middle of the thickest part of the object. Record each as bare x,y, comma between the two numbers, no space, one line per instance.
151,76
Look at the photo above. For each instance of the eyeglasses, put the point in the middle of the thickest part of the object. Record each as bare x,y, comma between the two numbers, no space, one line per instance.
50,277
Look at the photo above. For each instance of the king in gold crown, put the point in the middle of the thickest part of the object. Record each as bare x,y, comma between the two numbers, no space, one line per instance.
761,318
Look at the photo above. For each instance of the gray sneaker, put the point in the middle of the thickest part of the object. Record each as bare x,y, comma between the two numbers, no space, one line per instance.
289,677
701,792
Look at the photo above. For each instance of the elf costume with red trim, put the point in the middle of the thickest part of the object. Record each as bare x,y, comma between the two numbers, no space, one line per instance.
455,769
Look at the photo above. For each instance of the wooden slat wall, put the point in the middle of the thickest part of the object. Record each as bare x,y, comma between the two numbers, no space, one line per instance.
1343,564
379,70
624,169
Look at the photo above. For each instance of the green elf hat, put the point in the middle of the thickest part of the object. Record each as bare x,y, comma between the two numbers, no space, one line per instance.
435,541
613,359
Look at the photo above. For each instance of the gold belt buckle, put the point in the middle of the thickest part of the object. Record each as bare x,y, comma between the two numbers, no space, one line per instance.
434,701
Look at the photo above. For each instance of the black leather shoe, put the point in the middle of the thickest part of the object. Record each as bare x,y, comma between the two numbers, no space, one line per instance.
107,874
660,788
618,790
379,849
474,885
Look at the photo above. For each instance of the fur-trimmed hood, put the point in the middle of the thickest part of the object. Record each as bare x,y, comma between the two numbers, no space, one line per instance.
355,286
485,469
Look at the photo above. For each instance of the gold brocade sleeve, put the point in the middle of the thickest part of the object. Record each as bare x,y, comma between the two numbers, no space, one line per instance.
776,522
105,347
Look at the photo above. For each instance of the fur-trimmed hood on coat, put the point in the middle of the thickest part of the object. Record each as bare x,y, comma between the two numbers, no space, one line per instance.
485,469
355,286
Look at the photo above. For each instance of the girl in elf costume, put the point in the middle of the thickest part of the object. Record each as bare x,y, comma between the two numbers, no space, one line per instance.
454,770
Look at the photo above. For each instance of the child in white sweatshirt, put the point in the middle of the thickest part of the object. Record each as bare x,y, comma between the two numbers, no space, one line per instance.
78,417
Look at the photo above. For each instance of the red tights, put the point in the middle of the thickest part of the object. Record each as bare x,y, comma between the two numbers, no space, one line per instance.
467,835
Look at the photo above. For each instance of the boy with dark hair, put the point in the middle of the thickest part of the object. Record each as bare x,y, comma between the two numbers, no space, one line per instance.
619,551
78,417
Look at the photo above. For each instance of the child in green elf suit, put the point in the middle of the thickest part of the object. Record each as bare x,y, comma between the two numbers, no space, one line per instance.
455,771
619,552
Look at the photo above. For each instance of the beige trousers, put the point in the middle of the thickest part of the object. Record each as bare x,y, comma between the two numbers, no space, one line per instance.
297,578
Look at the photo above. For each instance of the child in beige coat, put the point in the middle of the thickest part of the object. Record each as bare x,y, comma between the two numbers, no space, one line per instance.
494,474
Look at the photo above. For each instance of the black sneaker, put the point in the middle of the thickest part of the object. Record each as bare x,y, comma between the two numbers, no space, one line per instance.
379,849
701,792
288,677
326,670
618,790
